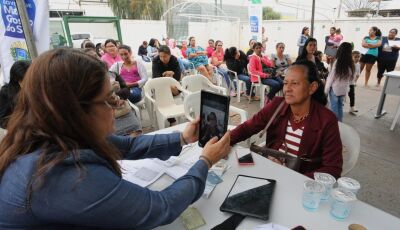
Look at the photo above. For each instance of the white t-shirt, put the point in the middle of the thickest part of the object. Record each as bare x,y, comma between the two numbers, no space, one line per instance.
357,70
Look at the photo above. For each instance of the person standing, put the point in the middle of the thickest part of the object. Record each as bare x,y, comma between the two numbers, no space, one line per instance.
305,34
370,42
388,55
339,78
356,59
330,46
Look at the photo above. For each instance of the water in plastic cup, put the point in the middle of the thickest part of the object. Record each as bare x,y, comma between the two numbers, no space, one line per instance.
328,181
349,184
343,201
313,191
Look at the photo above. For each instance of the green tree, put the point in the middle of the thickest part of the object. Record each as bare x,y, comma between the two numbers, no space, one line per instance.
269,14
137,9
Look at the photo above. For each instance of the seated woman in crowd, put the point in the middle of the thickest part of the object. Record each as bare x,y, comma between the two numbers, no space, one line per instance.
237,61
111,54
250,50
184,48
59,151
262,66
211,47
198,57
309,129
281,61
9,92
132,71
152,48
126,121
308,53
184,64
217,60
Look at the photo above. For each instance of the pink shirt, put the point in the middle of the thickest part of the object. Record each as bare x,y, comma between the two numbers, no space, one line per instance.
130,75
110,60
209,50
219,56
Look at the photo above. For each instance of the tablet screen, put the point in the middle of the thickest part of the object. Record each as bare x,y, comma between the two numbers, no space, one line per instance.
250,196
214,116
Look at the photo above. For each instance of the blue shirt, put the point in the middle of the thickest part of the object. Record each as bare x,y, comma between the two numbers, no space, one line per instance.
386,52
98,198
198,60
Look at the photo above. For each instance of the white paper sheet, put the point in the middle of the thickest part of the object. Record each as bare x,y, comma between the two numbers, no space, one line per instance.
394,43
141,172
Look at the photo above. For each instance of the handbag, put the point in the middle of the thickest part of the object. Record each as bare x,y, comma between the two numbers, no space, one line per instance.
123,110
291,162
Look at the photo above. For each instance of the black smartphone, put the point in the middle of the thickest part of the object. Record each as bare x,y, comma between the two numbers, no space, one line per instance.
214,112
244,158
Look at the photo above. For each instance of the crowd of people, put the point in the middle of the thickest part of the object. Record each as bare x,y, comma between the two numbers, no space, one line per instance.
69,122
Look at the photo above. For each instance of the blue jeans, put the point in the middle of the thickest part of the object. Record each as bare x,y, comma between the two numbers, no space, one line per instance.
275,84
336,104
247,81
223,72
136,94
184,64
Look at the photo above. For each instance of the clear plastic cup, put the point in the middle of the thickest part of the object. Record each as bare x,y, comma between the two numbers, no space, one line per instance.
328,181
342,203
312,193
349,184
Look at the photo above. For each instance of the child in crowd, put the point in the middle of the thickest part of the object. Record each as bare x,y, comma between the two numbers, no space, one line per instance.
356,59
322,66
338,37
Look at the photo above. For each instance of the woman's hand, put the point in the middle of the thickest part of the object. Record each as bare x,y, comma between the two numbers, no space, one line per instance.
273,159
215,150
191,132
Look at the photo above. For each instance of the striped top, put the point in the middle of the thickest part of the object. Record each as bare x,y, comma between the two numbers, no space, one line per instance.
293,138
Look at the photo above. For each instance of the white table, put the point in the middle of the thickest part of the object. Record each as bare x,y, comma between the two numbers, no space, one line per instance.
286,208
391,87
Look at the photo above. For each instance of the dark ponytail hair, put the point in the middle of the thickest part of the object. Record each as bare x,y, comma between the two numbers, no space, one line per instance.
230,53
312,75
378,32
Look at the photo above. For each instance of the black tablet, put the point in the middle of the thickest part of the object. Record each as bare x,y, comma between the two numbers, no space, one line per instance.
250,196
214,112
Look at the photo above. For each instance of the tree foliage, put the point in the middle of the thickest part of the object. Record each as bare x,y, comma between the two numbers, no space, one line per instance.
269,14
137,9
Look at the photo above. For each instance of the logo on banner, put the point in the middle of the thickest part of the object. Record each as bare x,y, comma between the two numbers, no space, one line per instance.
19,51
254,24
12,22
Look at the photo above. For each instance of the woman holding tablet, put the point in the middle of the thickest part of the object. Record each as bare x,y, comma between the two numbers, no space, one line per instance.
58,161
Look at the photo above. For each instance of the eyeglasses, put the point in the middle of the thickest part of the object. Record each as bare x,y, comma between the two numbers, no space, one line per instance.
112,102
110,46
281,47
219,45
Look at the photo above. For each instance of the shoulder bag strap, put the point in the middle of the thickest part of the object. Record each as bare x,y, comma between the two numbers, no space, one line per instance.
272,118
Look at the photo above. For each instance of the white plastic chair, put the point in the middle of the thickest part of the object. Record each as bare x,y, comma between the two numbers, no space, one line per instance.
239,84
262,88
350,141
158,92
191,105
198,82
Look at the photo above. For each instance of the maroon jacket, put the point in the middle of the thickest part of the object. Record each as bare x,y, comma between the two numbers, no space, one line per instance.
320,140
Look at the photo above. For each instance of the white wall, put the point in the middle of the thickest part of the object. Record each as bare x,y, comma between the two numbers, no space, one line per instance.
134,32
353,30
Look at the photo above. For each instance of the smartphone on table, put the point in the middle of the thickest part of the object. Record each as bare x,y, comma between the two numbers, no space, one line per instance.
214,112
244,158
